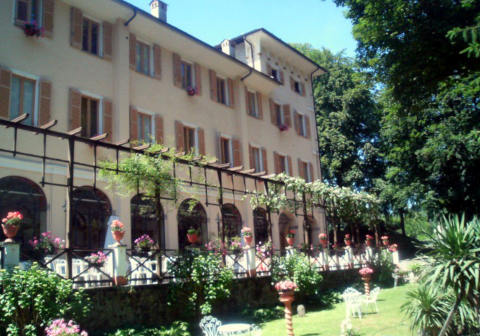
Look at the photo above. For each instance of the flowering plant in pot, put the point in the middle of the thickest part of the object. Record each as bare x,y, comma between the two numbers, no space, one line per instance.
323,239
286,286
235,245
366,274
291,237
191,91
32,29
118,230
369,240
348,239
192,235
247,235
393,248
283,127
385,240
60,327
47,243
144,243
96,259
11,224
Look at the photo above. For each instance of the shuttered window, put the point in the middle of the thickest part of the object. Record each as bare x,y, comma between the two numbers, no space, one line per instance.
187,75
278,114
27,11
302,127
226,150
142,58
144,125
252,104
90,36
22,98
189,140
221,91
89,118
257,159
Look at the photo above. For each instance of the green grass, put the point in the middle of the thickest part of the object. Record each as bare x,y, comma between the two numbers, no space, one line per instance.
390,321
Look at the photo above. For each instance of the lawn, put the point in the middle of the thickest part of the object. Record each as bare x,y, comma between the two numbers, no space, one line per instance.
388,322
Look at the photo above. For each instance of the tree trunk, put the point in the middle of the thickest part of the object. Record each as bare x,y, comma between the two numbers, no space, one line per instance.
450,317
402,222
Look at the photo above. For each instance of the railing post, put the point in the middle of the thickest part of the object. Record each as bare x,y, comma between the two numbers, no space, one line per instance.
120,265
11,255
251,261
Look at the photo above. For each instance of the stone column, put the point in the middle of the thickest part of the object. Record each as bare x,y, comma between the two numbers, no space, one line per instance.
11,257
120,264
251,261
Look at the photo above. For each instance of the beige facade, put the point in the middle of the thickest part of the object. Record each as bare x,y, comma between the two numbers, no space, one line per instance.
132,74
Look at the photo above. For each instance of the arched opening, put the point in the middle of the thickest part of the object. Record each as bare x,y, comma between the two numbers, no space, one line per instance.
191,214
91,210
260,225
21,194
144,220
232,221
284,225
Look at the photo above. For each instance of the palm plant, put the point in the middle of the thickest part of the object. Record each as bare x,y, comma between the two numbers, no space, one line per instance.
454,248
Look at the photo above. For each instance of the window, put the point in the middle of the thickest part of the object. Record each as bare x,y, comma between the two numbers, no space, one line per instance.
252,104
222,91
90,117
191,214
144,219
90,36
302,127
22,98
297,87
278,113
257,159
304,171
283,164
232,221
274,74
260,224
226,150
189,138
144,125
27,10
187,75
142,58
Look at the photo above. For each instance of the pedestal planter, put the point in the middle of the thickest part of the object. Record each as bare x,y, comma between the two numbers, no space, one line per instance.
366,280
248,240
192,238
287,297
348,242
290,241
118,235
10,231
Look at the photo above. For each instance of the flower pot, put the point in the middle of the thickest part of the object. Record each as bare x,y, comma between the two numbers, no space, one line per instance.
248,240
290,241
10,231
192,238
348,242
368,242
118,235
286,296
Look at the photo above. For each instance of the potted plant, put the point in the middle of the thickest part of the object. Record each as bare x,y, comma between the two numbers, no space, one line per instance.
348,239
11,224
191,91
291,237
323,239
247,235
192,235
144,243
32,29
283,127
366,274
393,248
118,230
385,240
235,245
60,327
96,259
285,289
47,243
369,240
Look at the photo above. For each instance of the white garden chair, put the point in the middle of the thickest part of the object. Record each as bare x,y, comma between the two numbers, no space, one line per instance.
372,298
353,302
210,325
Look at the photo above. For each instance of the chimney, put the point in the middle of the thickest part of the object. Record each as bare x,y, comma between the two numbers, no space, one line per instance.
227,47
159,10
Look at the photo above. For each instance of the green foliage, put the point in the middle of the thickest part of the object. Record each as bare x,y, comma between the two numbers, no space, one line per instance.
297,267
262,315
384,268
31,299
208,281
178,328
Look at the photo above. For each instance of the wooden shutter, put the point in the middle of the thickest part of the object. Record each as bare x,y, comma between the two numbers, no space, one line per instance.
201,141
218,145
286,115
273,116
264,158
231,93
213,84
107,40
301,170
179,136
5,82
310,167
250,156
108,119
292,84
290,170
307,125
76,19
276,163
45,98
133,50
75,108
237,152
133,124
158,129
198,79
282,78
177,70
157,61
48,9
259,106
302,85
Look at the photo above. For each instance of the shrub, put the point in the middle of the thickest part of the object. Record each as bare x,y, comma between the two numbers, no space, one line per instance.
178,328
262,315
31,299
297,268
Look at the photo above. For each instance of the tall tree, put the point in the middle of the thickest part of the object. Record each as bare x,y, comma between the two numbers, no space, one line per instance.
348,121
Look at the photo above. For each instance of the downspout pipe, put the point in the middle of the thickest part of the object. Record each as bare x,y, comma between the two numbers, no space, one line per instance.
133,17
315,113
250,70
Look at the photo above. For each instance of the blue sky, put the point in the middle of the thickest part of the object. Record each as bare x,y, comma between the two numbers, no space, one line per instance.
318,22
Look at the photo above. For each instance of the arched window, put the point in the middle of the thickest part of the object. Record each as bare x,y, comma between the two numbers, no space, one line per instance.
91,210
21,194
191,214
284,223
260,225
144,220
232,221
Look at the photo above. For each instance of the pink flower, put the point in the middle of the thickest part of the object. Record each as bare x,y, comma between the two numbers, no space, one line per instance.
285,285
365,271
